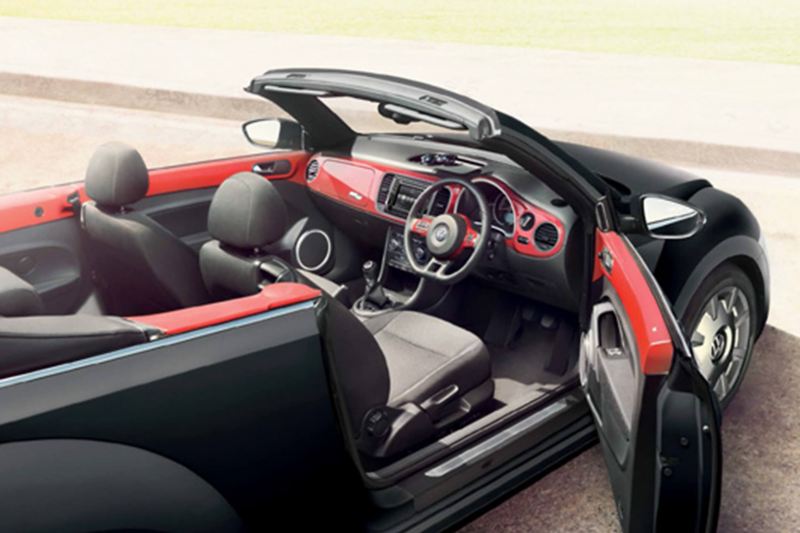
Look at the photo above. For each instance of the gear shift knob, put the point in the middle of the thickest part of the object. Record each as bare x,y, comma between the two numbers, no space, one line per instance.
370,271
374,297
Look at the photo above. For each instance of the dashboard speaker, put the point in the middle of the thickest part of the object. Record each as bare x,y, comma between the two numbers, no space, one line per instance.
313,250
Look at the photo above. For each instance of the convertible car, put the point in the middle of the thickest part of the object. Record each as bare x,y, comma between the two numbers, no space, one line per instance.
368,331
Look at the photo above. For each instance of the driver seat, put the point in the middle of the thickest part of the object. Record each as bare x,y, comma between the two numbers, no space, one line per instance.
404,376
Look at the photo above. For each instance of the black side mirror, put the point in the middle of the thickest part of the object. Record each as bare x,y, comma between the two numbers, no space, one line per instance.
664,217
274,133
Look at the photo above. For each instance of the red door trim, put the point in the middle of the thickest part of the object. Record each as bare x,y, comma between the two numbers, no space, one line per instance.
30,208
653,339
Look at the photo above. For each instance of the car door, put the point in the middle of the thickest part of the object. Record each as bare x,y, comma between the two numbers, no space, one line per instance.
656,417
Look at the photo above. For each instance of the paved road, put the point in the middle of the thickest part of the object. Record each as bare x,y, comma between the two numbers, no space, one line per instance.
43,142
736,103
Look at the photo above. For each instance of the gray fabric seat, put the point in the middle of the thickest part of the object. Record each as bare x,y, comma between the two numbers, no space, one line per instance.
403,375
141,267
425,354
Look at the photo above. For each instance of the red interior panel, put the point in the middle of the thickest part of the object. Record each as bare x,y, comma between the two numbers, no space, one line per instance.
272,296
30,208
652,337
356,184
212,173
541,216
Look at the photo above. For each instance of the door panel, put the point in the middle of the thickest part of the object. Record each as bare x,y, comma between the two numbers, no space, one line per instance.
179,196
184,214
48,256
656,417
41,241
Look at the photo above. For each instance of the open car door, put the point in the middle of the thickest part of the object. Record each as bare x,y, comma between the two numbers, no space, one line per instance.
656,416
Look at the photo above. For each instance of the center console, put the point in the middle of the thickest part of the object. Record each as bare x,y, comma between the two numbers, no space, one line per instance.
397,286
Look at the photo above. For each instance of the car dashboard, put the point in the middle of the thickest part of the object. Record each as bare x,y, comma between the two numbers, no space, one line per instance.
368,191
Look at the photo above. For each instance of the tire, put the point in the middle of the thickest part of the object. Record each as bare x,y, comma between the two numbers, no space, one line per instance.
720,334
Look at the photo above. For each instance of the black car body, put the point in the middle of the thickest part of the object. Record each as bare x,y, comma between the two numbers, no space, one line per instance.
237,412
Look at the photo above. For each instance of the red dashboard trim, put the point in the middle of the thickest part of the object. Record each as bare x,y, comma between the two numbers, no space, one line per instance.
271,297
356,184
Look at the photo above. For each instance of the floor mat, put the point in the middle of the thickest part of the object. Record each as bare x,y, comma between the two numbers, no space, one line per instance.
522,367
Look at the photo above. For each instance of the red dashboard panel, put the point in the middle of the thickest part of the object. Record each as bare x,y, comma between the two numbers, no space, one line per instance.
356,184
523,240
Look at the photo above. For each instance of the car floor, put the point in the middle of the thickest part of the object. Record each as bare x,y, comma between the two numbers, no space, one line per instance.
539,360
533,346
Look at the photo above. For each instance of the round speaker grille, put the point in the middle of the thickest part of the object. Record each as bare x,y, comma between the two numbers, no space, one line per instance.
313,250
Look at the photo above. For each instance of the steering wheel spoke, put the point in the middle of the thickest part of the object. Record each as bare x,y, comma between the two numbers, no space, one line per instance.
437,267
420,225
471,237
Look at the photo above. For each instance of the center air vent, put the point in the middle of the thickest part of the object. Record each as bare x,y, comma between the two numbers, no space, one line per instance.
386,186
312,170
546,236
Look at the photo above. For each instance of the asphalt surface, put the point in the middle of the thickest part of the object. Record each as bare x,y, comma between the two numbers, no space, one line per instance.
43,142
732,103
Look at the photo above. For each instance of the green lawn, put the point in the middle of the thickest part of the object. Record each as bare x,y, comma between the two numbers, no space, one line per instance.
753,30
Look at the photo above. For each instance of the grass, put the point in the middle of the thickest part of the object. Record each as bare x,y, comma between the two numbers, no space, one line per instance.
743,30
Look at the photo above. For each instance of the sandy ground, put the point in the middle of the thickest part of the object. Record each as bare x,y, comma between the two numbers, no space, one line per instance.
43,142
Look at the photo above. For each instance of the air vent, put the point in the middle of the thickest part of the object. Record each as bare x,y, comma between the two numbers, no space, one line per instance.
546,236
440,203
386,186
312,170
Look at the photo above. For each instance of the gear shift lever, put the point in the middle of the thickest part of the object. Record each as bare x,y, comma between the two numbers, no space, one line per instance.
373,292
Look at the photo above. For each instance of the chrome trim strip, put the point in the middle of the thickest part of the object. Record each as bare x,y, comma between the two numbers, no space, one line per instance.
477,453
147,346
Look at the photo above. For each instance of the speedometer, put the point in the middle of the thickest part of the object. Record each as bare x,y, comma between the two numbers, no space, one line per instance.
503,213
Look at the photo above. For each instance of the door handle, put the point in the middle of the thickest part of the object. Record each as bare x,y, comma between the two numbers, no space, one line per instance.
273,168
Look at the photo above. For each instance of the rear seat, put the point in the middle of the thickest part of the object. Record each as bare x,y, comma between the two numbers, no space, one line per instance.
29,341
17,296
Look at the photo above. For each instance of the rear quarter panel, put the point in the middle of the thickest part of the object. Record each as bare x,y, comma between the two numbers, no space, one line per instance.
244,407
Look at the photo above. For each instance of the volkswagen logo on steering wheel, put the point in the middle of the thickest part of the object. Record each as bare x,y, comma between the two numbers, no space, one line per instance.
440,233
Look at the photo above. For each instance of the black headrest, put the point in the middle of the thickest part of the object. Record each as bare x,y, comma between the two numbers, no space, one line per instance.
247,212
117,175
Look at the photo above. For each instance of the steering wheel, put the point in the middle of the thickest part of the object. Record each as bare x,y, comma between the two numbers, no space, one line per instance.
447,236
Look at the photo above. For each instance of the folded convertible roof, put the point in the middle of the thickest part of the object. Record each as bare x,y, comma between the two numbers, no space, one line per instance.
417,99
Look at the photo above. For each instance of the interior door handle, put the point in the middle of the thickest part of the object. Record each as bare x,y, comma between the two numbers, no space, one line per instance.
273,168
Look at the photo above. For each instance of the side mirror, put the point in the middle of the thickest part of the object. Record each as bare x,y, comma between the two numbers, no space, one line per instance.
668,218
275,133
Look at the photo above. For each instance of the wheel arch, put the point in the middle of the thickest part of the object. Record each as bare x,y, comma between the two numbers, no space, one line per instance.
731,234
740,251
88,485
